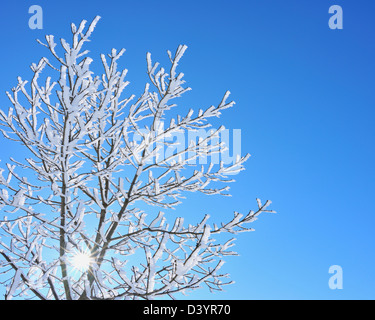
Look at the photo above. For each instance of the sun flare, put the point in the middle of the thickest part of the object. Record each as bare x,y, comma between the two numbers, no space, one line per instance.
81,260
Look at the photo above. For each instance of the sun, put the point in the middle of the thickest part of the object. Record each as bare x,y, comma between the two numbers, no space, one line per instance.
81,260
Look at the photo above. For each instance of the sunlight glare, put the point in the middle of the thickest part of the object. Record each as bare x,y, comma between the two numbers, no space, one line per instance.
81,261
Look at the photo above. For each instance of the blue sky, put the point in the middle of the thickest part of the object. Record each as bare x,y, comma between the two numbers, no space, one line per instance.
305,104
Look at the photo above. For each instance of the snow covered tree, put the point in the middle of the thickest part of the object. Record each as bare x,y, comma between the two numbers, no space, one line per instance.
73,222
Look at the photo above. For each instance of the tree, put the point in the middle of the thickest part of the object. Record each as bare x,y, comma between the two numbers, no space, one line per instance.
74,226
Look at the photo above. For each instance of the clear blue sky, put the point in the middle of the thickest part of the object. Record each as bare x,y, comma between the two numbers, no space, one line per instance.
305,105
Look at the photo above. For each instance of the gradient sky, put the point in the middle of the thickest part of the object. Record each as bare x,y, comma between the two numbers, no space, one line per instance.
305,104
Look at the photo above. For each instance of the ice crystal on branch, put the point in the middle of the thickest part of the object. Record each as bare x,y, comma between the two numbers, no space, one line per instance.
71,223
